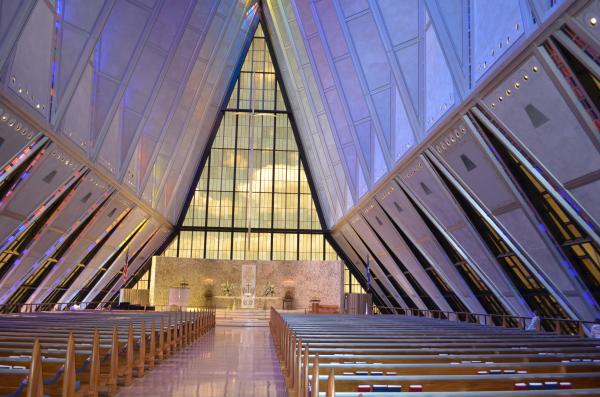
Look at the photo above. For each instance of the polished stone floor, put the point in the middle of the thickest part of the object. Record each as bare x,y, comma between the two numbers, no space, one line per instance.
229,361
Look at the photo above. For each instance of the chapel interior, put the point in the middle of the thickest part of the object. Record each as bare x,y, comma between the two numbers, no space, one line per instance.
299,198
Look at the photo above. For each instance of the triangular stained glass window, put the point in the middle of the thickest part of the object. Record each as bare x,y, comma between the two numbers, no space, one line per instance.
253,200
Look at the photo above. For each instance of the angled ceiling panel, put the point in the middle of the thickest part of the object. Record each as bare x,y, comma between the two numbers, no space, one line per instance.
156,239
401,210
78,25
358,264
307,103
213,83
491,40
15,136
77,120
440,92
368,237
52,169
420,179
380,222
116,53
74,209
128,226
13,15
29,73
404,135
585,17
353,238
104,221
192,118
472,163
452,27
117,267
543,123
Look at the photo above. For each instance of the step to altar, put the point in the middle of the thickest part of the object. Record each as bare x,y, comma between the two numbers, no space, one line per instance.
242,317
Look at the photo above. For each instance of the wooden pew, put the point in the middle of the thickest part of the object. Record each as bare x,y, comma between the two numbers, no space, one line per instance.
345,352
88,352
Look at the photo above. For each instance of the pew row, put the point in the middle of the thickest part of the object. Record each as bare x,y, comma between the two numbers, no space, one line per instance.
341,355
90,353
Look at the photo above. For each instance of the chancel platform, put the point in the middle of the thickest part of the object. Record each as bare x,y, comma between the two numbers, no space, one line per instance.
227,284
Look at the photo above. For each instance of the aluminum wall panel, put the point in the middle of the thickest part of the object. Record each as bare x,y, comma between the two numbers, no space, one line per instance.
119,263
73,210
380,222
53,170
14,137
362,228
358,264
128,225
421,180
397,204
471,162
29,73
86,241
143,257
584,17
546,125
353,238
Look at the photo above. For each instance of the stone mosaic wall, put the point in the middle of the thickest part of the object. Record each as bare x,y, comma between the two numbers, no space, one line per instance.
305,280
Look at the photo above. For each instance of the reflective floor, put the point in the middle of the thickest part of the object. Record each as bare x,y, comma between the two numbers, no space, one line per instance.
229,361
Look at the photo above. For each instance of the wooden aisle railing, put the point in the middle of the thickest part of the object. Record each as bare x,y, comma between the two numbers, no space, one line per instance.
140,350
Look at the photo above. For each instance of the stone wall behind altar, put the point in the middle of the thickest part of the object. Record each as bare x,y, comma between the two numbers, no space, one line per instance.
306,279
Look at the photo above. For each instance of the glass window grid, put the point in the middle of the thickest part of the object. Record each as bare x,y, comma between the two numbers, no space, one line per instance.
280,207
143,282
351,284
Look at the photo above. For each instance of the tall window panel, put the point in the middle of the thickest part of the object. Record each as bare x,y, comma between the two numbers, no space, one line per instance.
253,200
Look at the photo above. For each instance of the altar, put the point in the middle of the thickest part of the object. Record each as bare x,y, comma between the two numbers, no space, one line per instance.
235,302
247,284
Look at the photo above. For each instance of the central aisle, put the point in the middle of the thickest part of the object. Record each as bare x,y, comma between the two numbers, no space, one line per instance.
229,361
